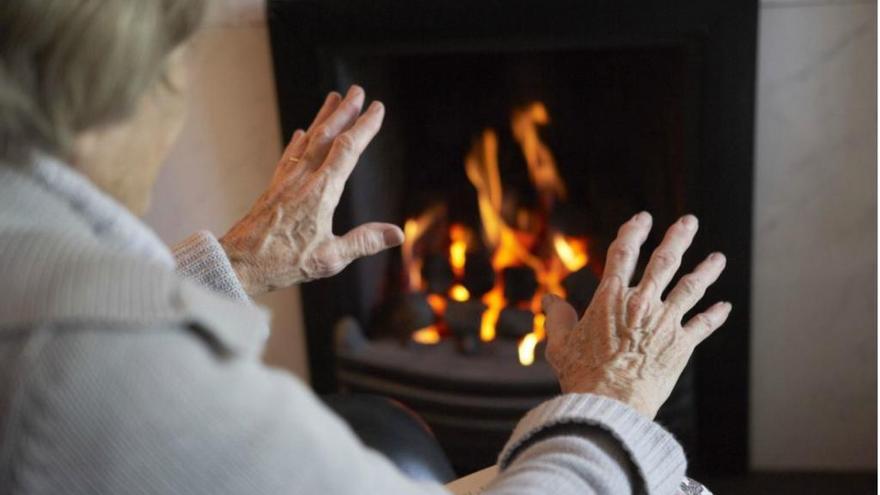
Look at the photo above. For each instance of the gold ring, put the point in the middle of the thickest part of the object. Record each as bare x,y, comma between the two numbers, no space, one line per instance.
294,160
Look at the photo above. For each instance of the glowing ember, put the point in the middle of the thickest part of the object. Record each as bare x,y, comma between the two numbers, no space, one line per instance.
459,293
427,335
438,304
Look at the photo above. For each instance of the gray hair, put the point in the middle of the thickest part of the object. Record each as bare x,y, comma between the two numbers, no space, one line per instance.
71,65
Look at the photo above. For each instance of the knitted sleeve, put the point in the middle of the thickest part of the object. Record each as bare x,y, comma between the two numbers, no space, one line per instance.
201,259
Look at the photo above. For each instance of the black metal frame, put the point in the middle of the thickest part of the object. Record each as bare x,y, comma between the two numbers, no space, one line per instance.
722,35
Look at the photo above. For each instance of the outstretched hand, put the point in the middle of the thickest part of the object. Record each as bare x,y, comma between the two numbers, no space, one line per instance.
287,237
630,344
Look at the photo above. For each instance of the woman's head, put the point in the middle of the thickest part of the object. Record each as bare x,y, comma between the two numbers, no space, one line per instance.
84,80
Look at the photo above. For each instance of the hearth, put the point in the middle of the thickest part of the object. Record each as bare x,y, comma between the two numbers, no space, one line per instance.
519,135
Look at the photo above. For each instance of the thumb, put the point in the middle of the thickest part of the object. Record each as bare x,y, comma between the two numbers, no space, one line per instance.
368,239
561,317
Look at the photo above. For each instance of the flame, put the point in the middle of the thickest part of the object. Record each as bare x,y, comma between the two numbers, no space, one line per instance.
459,293
413,230
438,304
481,166
528,242
494,301
542,166
458,249
526,349
428,335
572,252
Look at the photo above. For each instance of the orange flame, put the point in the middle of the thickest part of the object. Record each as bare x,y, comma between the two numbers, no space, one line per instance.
511,245
542,166
458,249
572,252
413,230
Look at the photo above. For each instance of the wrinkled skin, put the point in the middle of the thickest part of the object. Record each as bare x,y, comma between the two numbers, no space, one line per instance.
287,237
630,345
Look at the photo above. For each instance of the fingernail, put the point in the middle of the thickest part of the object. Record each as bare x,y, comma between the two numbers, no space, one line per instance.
728,305
640,217
689,221
354,90
716,256
376,106
392,237
332,95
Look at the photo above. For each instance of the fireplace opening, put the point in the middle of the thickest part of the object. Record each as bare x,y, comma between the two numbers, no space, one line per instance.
510,173
510,160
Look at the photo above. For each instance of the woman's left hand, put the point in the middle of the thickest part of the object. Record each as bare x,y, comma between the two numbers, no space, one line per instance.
287,237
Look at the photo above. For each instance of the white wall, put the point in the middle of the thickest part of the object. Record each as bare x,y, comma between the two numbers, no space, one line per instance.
814,327
227,151
814,324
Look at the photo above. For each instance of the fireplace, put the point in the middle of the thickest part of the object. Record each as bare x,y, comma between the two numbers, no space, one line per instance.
519,135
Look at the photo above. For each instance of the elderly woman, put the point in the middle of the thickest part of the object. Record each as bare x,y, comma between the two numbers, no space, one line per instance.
131,368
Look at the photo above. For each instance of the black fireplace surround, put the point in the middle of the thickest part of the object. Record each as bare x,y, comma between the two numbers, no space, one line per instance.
652,106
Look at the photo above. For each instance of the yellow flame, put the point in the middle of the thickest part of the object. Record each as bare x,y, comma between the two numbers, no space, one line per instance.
459,293
458,249
542,166
526,349
413,230
494,301
572,252
428,335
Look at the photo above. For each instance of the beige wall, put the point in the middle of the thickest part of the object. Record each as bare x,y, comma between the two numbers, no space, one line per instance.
227,151
814,325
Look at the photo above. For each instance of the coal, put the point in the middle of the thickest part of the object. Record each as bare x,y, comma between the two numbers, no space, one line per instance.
580,287
479,275
520,284
464,318
411,312
437,273
515,323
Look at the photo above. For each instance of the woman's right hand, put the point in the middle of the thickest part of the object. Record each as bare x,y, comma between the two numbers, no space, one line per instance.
630,345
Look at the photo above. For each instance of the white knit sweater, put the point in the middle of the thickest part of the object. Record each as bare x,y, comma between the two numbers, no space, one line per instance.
117,375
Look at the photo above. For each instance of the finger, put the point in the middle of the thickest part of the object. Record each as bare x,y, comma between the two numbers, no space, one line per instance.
623,253
560,316
323,135
297,147
667,257
692,287
702,325
331,102
367,240
348,146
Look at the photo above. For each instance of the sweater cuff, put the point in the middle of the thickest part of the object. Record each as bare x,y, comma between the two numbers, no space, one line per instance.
201,258
658,457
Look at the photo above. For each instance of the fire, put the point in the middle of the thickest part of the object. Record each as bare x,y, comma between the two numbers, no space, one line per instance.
413,230
572,252
458,249
428,335
542,166
516,236
526,349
